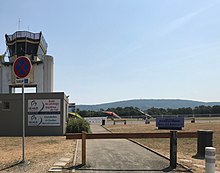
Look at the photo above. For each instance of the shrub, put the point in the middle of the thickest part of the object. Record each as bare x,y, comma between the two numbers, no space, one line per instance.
77,125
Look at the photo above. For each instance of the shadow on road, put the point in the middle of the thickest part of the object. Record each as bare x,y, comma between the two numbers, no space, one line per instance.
87,168
13,165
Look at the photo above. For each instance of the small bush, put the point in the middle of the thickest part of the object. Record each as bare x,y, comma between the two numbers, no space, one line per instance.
77,126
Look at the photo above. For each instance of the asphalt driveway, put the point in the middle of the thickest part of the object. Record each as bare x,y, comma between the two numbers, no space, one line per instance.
119,155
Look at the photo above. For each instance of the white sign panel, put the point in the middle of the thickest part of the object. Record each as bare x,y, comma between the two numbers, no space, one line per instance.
43,120
46,105
21,81
44,112
95,120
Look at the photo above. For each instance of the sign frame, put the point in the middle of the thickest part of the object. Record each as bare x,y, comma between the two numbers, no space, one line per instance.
22,67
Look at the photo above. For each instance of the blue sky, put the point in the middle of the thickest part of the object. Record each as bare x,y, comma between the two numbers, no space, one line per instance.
111,50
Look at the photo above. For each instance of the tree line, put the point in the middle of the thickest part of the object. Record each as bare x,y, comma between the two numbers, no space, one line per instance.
197,110
133,111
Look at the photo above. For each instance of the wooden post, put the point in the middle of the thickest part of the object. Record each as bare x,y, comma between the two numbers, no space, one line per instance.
83,148
173,149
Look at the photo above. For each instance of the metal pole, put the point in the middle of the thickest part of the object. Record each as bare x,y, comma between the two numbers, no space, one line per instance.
23,124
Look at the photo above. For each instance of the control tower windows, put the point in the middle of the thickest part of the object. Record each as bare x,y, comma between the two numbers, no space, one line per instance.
20,49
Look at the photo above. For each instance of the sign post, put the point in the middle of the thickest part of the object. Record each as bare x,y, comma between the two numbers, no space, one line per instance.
21,68
23,128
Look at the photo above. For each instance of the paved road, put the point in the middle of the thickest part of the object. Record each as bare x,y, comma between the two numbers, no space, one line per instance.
119,155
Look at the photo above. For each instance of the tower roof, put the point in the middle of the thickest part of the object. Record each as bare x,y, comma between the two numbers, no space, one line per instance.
25,42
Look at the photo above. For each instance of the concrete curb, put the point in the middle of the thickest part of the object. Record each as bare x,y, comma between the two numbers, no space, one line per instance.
75,155
65,163
106,129
185,167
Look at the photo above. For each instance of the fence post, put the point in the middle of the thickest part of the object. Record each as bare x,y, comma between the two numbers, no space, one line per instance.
173,149
204,139
83,148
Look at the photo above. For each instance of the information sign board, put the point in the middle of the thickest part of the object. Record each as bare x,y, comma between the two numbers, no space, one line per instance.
170,122
43,120
44,112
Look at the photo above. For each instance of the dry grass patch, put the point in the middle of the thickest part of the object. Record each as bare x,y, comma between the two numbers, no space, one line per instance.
186,147
40,152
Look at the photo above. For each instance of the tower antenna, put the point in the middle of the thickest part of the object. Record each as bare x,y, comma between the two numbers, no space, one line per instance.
19,23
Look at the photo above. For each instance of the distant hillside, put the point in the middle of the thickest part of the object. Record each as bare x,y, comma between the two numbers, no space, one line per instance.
145,104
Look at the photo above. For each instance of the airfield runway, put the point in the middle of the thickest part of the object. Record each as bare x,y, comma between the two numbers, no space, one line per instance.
119,155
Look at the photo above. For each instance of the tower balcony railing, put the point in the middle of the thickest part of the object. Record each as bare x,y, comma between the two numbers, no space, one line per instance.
26,34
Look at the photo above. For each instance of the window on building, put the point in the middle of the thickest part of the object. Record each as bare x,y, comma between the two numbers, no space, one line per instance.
6,106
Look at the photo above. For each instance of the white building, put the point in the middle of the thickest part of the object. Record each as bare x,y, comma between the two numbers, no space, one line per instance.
34,47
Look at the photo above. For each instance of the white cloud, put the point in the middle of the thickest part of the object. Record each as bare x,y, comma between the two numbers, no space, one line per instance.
179,22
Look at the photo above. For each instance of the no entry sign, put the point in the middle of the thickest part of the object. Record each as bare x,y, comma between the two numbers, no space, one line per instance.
22,67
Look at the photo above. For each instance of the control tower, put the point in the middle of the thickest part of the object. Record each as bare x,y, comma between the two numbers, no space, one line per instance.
34,47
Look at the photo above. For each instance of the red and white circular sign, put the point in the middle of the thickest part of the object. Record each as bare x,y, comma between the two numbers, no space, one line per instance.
22,67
